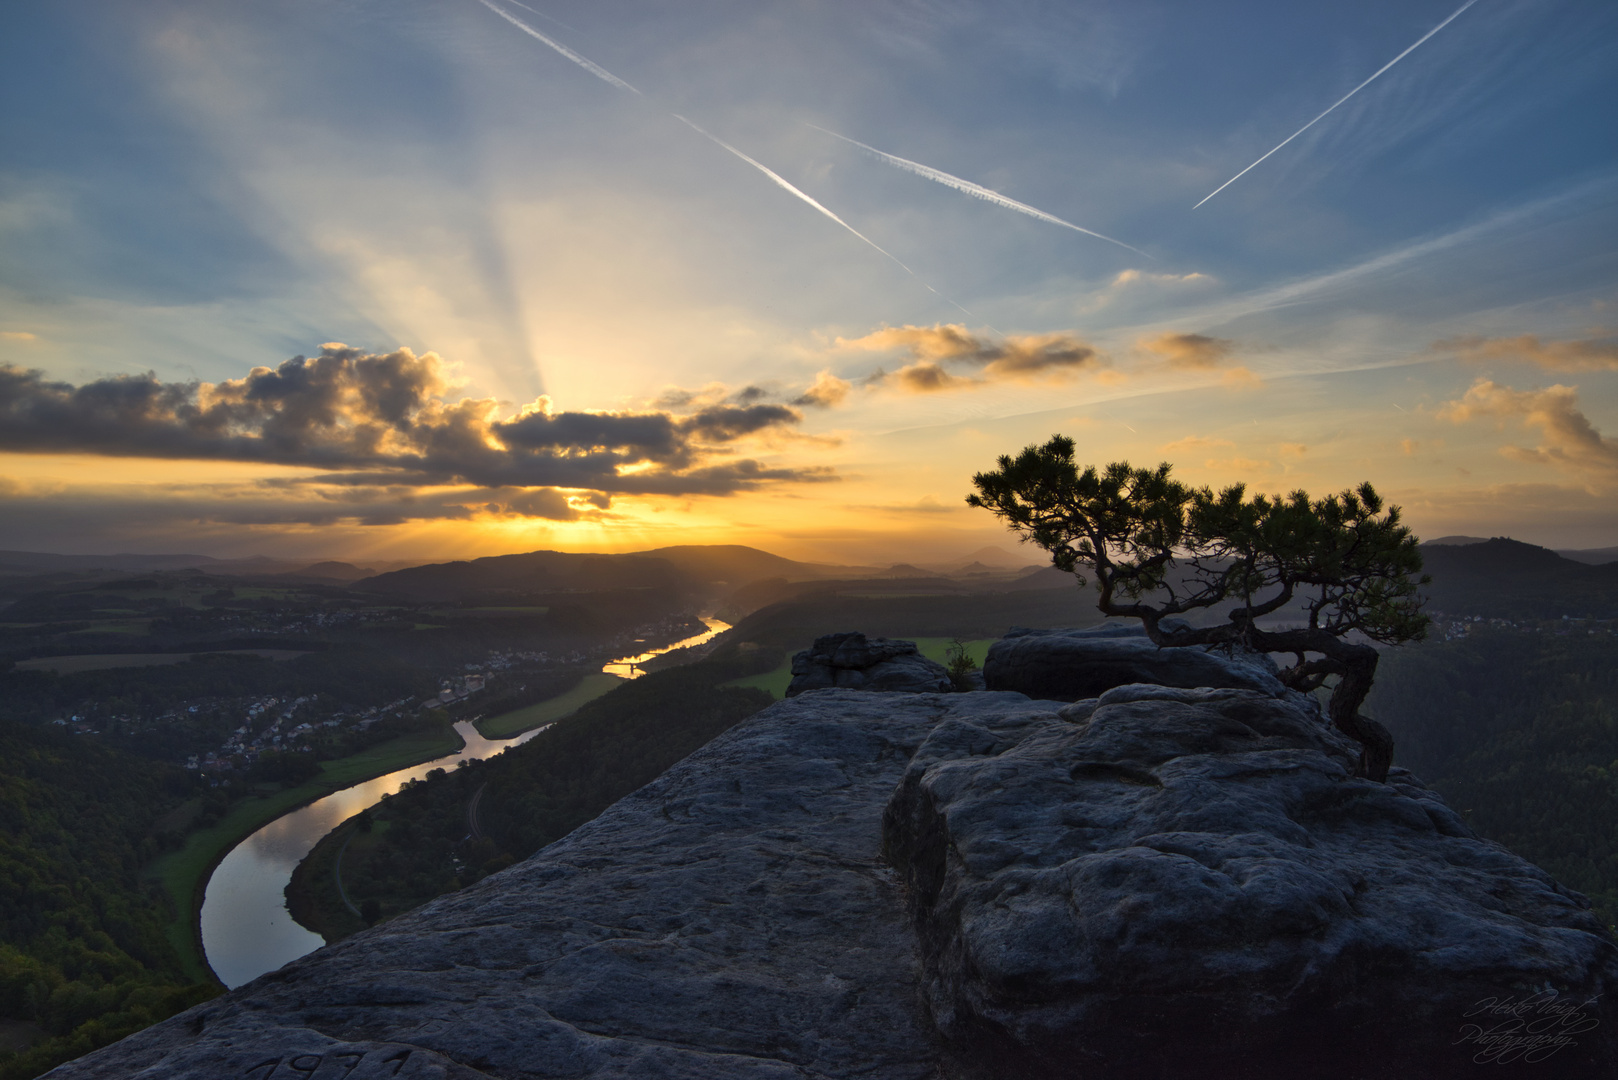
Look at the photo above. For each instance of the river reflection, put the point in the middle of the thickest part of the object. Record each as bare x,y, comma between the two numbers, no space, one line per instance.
246,928
628,667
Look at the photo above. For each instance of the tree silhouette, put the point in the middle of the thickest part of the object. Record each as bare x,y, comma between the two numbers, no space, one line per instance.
1159,549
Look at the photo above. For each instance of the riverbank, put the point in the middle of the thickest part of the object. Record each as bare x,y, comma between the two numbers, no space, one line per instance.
184,873
313,896
520,720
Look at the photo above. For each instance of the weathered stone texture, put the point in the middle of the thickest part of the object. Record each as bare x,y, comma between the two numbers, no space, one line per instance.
732,919
1155,882
854,662
1175,883
1070,665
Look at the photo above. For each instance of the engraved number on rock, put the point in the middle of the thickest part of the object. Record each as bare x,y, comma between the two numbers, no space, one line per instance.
309,1064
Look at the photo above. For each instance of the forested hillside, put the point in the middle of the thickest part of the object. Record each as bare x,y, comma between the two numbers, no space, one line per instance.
1519,731
83,956
445,832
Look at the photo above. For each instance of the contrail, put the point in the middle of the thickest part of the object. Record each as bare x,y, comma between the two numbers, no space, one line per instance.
547,18
975,190
595,69
1340,100
781,181
602,73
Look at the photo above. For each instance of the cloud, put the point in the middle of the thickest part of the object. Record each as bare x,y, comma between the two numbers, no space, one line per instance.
926,377
1571,442
372,419
18,335
168,510
827,392
1192,351
1133,277
1018,357
1193,442
1590,354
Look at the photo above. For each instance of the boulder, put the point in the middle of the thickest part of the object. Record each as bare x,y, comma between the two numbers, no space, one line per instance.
1169,882
1070,665
855,662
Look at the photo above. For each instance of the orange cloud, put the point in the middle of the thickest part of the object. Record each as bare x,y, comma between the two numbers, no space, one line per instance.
827,392
382,421
1570,441
1193,442
927,377
1192,351
1017,357
1591,354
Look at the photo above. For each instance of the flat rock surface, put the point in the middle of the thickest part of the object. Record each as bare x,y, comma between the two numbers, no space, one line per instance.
732,919
1171,882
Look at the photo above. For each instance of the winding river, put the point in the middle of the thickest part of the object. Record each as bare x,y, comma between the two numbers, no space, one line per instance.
246,928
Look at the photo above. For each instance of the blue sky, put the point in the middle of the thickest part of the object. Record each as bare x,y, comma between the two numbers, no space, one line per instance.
195,190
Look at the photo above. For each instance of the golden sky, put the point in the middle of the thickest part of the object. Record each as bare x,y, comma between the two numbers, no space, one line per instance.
410,281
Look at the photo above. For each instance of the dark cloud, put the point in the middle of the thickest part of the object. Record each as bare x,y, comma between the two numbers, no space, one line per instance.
381,419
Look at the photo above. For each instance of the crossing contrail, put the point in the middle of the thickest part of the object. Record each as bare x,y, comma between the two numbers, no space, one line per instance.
547,18
1340,100
782,182
595,69
602,73
975,190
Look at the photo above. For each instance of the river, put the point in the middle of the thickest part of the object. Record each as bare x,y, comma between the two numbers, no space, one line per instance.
246,928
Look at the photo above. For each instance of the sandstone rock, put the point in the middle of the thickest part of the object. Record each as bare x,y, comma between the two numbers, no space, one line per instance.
1171,883
1069,665
733,919
1179,883
855,662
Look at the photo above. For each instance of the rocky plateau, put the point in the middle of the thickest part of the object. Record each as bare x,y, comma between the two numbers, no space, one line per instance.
1176,876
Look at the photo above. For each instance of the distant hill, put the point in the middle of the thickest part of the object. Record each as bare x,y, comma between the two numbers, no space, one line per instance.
1593,556
41,562
332,570
534,573
999,558
1503,578
1455,541
736,564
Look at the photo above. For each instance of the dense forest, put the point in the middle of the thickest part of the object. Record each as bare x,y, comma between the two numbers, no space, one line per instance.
1519,732
83,956
447,831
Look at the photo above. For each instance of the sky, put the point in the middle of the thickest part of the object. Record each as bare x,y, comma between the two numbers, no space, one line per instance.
396,279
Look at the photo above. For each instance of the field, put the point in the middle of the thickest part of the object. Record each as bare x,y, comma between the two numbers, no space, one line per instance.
530,716
184,873
67,665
